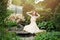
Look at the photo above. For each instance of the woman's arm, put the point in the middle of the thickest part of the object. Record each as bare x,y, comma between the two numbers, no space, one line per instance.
28,13
38,15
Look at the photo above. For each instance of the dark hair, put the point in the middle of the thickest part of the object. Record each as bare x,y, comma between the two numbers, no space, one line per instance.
35,13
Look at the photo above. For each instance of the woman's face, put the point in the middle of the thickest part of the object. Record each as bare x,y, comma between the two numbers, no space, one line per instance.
34,13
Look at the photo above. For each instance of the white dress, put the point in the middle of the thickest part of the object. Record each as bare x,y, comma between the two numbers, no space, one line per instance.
32,27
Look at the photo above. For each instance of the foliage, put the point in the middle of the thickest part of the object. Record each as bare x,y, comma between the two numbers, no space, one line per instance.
3,11
9,12
17,2
11,23
4,34
57,17
48,36
9,36
49,25
21,2
8,22
42,24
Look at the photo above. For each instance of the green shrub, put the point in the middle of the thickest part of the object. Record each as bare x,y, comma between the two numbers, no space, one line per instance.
49,25
3,11
4,34
11,23
42,24
10,36
57,18
9,12
48,36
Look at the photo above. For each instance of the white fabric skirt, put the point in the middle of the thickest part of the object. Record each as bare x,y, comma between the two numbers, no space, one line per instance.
32,28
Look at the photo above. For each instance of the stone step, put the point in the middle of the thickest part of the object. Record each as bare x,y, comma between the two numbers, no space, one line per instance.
23,33
27,38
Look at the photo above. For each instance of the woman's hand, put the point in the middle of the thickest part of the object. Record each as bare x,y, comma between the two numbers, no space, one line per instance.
38,15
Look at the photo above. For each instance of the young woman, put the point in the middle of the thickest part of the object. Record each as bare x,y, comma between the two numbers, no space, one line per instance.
32,27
